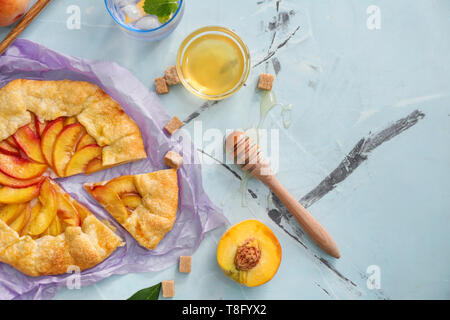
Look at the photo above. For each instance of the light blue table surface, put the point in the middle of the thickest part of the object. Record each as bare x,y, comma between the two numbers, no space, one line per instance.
390,214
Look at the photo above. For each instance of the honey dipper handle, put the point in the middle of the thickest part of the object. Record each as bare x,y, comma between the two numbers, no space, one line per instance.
311,226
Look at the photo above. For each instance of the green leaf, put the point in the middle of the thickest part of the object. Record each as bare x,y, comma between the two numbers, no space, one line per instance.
163,9
163,19
151,293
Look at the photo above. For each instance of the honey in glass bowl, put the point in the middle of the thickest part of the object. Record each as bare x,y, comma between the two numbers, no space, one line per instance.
213,62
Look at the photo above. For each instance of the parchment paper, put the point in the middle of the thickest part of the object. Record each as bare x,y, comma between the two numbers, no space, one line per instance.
196,213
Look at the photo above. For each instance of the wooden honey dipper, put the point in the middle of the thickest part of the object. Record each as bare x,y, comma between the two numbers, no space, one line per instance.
247,154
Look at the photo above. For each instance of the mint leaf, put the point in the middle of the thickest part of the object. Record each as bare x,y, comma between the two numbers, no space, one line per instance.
163,9
151,293
163,19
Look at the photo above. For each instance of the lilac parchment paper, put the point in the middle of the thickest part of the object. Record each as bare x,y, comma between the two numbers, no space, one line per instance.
196,213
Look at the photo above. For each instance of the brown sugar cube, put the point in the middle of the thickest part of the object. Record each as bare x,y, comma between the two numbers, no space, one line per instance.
173,125
185,264
161,86
171,76
168,288
173,160
265,81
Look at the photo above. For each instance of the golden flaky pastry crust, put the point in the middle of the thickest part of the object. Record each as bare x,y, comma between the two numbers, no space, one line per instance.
149,222
102,117
82,247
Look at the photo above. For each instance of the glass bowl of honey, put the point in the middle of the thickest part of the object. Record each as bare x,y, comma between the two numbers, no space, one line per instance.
213,62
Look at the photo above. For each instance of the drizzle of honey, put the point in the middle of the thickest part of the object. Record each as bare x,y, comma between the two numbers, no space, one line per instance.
268,102
213,64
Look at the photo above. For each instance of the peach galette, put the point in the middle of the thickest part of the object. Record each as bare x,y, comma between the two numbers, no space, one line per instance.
57,128
144,204
43,231
70,126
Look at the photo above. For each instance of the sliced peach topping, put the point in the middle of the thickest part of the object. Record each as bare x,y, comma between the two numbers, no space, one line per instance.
40,125
79,161
21,221
30,143
12,142
17,183
34,212
67,211
6,148
122,185
70,120
10,212
85,140
41,220
12,196
48,139
131,201
64,146
82,211
20,168
55,227
95,165
32,124
110,194
110,200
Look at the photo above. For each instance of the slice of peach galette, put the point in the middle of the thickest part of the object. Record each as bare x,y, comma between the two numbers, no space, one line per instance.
57,128
144,204
43,231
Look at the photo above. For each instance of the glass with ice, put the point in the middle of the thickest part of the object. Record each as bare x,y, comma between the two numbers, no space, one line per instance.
133,19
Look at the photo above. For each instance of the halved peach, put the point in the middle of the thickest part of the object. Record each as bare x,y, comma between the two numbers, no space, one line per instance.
85,140
20,168
79,161
6,148
22,220
110,200
131,201
16,183
30,143
11,195
51,132
249,253
65,146
67,211
47,212
10,212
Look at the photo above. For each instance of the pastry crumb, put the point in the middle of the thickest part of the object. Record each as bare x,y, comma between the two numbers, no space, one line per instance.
265,81
173,125
168,288
171,76
173,160
161,85
185,264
